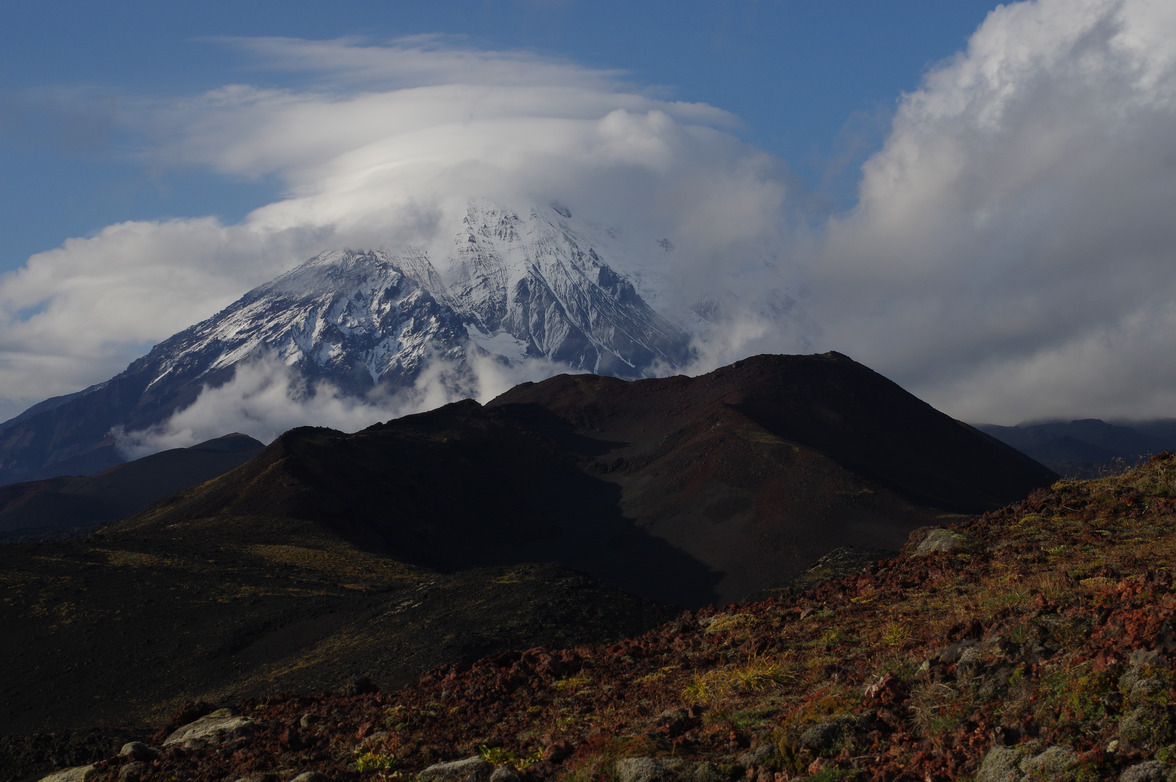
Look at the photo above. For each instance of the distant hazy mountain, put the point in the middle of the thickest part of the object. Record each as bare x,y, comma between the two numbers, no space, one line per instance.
1089,446
533,285
74,504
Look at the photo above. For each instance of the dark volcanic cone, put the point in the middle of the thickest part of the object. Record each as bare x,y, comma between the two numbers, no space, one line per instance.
685,490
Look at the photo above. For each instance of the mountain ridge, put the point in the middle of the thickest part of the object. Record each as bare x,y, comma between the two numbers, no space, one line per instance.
1088,447
306,563
677,469
75,505
510,288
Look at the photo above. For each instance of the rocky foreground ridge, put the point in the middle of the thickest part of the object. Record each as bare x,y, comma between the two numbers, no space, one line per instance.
1033,642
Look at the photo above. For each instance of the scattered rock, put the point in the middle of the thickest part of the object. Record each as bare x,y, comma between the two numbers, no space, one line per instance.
468,770
1144,689
667,770
761,755
504,774
822,738
1148,771
310,776
1055,763
705,772
955,652
215,728
993,684
75,774
137,750
646,770
134,771
939,539
1001,764
1147,726
1141,658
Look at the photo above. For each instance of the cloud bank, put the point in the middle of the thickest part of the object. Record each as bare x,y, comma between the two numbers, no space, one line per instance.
266,398
1012,252
1010,256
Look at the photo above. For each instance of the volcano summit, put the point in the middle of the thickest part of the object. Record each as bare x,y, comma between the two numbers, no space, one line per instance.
530,293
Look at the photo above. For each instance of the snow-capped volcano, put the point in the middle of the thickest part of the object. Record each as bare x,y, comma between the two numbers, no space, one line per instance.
508,286
541,280
353,318
512,287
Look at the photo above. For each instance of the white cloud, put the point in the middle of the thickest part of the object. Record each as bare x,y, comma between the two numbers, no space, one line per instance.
1012,252
265,398
77,314
1010,256
417,61
381,148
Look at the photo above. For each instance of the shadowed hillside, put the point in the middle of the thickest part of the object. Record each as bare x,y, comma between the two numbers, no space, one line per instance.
441,537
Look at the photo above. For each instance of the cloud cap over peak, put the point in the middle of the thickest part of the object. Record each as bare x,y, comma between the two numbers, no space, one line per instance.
383,145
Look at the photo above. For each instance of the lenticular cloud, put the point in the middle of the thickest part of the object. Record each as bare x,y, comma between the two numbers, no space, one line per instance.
382,146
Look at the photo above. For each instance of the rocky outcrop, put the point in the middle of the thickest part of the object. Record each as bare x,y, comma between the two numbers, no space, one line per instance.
1148,771
648,769
1030,762
217,727
937,540
473,769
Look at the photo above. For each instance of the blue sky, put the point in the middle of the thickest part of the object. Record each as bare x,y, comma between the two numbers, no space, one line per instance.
811,81
974,199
